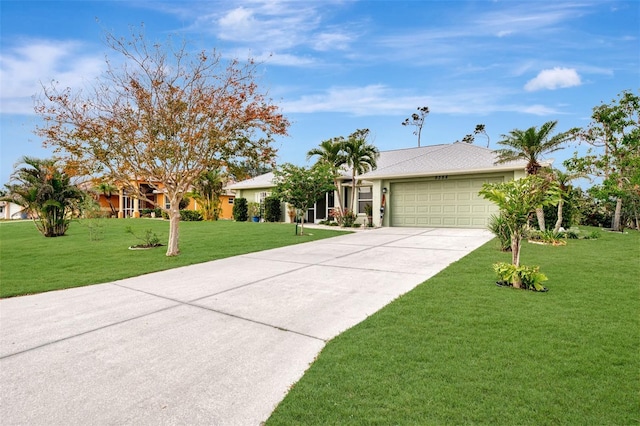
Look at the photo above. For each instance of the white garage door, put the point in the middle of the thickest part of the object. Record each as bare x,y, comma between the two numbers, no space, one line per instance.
446,203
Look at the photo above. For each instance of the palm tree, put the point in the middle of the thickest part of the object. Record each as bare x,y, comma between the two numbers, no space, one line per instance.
207,189
531,145
331,152
46,193
360,156
108,190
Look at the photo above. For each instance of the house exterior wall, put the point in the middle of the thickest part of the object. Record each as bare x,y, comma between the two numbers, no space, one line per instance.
127,206
226,206
10,211
378,186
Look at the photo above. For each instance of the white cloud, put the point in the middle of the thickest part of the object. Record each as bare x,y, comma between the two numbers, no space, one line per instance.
25,67
290,32
331,41
378,99
552,79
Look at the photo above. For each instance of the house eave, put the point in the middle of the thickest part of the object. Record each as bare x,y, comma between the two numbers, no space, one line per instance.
451,172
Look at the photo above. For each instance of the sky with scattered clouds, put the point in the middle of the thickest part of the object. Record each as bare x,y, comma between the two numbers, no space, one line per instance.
335,66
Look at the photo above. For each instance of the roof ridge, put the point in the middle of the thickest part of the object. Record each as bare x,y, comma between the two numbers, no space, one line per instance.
439,147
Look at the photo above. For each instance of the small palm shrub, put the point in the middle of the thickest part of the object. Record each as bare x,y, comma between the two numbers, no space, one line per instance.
498,226
348,218
549,237
45,190
240,210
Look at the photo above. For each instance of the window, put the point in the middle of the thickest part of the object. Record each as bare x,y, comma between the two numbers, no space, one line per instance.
260,196
365,196
230,200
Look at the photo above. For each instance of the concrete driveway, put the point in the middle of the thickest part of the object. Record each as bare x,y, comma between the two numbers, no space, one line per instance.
218,343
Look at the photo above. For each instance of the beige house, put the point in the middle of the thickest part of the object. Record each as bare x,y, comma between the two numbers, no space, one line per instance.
430,186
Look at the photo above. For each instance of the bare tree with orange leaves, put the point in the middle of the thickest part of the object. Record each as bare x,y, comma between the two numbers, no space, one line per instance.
163,116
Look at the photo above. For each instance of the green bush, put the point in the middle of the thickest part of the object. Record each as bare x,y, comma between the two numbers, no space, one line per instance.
190,216
240,210
272,209
348,219
529,277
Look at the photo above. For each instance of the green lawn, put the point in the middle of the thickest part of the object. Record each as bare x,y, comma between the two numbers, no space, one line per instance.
460,350
30,263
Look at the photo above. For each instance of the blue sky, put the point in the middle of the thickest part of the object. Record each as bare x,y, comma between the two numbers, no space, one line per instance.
337,66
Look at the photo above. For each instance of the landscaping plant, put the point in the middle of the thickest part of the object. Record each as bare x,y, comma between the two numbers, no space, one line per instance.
301,187
46,193
240,210
516,200
272,209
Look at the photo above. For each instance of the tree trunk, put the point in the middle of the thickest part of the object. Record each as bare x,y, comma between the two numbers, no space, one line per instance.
174,230
616,217
559,221
515,248
515,256
540,215
353,194
302,217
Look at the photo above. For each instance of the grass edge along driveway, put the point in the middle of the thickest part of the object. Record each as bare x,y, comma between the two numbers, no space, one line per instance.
31,263
458,349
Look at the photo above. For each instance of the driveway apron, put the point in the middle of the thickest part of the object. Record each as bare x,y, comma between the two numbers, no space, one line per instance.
218,343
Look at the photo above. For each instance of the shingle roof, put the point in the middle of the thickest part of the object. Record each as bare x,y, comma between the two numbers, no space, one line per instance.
455,158
458,157
262,181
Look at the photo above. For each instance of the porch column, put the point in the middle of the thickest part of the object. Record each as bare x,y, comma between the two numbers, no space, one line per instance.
136,207
121,204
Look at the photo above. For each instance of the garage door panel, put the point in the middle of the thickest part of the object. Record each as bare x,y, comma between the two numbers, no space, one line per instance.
451,203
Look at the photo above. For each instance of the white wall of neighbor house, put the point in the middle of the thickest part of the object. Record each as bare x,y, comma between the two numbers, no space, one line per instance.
10,211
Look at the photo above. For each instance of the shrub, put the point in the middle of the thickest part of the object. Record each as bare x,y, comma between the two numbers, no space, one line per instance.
240,210
499,227
149,239
348,218
190,216
549,237
527,277
272,209
146,212
253,209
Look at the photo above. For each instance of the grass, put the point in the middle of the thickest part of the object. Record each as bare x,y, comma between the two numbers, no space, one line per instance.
460,350
30,263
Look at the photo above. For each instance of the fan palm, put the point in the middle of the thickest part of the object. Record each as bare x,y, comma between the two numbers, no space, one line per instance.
360,156
531,145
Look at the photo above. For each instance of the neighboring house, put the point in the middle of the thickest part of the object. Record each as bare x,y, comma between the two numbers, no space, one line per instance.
127,205
9,210
256,189
430,186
